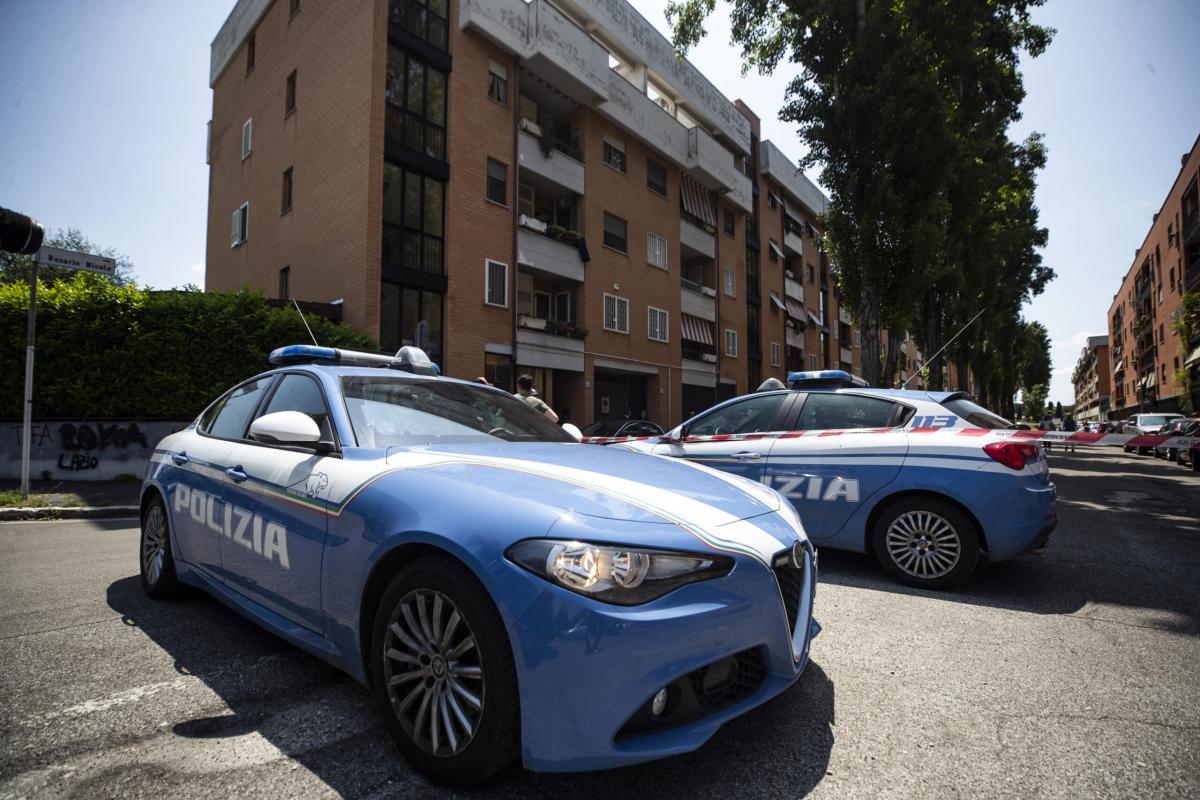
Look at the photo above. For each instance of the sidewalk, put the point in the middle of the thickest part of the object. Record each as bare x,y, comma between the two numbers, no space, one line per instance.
69,499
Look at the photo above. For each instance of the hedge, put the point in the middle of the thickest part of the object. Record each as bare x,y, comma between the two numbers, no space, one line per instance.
111,351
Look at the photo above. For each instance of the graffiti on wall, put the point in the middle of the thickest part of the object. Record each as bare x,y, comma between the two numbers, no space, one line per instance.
86,449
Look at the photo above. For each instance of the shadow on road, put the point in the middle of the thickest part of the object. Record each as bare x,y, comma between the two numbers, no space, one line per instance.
782,747
1128,535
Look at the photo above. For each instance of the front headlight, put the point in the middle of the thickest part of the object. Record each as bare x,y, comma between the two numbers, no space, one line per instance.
625,576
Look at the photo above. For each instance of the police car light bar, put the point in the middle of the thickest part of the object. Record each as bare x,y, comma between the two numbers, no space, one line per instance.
824,378
408,359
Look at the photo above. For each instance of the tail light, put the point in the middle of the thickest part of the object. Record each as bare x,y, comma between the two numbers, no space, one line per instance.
1014,455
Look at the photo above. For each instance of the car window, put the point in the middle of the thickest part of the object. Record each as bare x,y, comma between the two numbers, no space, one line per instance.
301,393
752,415
642,429
235,410
978,416
601,428
1152,421
823,412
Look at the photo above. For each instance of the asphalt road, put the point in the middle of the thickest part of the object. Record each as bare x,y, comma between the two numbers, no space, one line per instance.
1073,674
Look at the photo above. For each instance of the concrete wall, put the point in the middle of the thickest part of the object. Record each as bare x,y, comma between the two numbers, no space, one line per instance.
84,450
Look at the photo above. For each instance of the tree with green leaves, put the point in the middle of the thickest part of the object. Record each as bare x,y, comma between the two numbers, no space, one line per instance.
1033,400
14,268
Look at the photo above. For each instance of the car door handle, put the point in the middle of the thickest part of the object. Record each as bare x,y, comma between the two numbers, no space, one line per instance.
236,473
747,455
179,458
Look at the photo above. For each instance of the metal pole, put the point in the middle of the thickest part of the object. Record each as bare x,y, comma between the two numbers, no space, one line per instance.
27,423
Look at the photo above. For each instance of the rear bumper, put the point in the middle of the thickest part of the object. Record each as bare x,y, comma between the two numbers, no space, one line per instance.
586,669
1027,518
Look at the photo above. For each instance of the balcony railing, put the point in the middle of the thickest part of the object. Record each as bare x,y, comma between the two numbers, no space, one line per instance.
426,20
412,249
414,132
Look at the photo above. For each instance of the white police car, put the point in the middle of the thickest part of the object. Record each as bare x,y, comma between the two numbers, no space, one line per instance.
928,482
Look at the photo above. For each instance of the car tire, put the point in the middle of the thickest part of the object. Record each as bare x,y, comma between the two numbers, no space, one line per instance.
421,603
155,554
925,542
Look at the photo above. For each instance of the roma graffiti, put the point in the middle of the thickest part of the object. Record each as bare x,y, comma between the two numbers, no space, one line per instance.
85,449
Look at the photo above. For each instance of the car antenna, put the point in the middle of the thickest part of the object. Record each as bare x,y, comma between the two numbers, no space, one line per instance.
939,352
302,319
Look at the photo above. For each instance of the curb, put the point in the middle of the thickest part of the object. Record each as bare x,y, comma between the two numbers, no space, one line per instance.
67,512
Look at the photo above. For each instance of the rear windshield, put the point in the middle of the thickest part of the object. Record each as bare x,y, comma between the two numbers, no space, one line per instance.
978,416
1152,421
602,429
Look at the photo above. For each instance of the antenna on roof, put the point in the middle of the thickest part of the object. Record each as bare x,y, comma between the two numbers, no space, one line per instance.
939,352
302,319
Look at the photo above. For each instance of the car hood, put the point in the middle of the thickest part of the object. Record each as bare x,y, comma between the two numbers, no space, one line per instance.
599,482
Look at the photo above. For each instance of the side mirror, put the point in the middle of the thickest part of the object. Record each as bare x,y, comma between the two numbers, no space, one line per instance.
286,427
573,430
674,435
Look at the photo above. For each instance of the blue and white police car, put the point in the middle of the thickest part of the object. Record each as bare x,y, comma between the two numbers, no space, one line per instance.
503,590
929,482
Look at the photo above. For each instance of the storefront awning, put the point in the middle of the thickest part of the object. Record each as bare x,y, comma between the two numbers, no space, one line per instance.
697,330
698,200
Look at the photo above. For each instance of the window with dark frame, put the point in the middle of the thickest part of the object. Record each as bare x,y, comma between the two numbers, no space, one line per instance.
286,204
616,233
289,102
284,278
426,19
496,277
250,54
730,222
656,177
497,182
614,155
416,105
497,83
413,220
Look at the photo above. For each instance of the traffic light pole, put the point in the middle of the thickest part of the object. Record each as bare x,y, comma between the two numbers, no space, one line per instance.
27,423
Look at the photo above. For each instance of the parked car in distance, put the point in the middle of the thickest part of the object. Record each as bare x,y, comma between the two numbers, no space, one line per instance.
1177,427
1146,423
613,428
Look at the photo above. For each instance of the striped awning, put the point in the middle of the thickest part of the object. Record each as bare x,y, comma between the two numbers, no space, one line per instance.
775,301
795,310
697,330
698,200
791,211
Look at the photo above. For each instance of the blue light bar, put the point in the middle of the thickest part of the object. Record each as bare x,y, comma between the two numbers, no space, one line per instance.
824,378
311,353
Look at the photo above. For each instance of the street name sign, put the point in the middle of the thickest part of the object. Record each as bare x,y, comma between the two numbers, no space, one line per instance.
69,259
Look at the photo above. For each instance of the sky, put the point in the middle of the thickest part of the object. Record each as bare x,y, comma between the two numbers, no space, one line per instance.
105,106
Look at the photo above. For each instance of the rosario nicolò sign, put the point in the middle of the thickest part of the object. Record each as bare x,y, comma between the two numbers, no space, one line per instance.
69,259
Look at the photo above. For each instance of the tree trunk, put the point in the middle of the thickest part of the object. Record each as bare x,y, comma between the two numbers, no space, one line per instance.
893,355
868,317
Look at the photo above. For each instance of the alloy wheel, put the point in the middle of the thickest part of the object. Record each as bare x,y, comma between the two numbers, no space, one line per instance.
434,673
154,544
923,544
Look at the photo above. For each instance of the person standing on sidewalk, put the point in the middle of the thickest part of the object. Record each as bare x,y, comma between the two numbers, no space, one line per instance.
1070,427
525,391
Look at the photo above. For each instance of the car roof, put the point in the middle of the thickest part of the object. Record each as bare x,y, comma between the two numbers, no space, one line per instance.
891,394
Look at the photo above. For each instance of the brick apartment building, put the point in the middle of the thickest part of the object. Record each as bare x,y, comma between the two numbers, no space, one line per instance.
1146,354
1093,383
519,187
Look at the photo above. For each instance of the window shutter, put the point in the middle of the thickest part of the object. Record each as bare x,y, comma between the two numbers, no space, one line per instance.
237,228
247,137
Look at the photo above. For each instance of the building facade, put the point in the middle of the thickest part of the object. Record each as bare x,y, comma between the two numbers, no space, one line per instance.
1093,386
1152,367
518,187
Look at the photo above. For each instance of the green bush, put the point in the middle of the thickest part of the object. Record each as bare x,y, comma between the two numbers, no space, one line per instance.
110,351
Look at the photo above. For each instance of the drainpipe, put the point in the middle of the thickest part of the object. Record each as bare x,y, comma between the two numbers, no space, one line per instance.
516,124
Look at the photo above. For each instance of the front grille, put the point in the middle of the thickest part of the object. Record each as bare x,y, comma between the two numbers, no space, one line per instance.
701,692
791,586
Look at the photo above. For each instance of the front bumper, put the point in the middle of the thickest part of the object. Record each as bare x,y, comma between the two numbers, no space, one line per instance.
586,668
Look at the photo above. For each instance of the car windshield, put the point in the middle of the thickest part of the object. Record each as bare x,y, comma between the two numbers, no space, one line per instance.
602,428
978,416
387,411
1152,421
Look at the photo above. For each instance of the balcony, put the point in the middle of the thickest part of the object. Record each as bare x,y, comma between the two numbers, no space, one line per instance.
793,243
541,348
697,300
697,369
713,165
783,170
541,253
793,289
553,47
794,336
560,169
844,315
695,241
847,355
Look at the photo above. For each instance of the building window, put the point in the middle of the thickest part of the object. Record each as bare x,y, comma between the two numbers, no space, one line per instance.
656,177
289,100
614,154
564,307
731,343
730,222
812,361
413,220
616,314
241,225
497,182
812,273
656,324
615,233
776,354
730,283
495,283
416,105
656,250
286,204
1161,334
773,251
857,338
247,138
285,291
250,54
423,18
497,83
410,316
